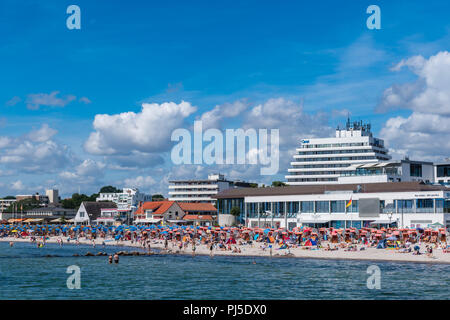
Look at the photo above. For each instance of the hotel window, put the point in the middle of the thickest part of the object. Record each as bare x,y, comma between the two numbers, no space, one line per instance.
307,206
443,171
338,206
404,206
415,170
322,206
354,207
424,205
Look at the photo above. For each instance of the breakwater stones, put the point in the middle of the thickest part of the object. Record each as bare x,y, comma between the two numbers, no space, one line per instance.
120,253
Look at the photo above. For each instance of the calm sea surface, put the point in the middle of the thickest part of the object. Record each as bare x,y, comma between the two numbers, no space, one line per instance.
26,273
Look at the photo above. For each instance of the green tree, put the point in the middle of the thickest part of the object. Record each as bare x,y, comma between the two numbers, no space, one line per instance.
278,184
253,185
235,211
109,189
157,197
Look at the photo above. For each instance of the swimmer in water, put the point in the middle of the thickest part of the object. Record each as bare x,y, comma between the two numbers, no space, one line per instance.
11,244
116,258
110,259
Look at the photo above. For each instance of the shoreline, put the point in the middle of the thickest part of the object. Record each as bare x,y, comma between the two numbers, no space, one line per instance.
369,254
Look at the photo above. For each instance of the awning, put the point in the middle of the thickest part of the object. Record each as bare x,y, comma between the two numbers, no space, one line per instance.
15,220
33,220
382,222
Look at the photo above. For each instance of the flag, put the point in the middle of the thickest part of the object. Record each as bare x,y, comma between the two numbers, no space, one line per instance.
349,203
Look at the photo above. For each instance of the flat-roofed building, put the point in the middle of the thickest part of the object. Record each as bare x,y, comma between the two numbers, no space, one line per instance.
404,204
202,190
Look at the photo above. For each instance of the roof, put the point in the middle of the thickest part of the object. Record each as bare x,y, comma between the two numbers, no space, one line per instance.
196,207
412,186
197,217
158,207
93,208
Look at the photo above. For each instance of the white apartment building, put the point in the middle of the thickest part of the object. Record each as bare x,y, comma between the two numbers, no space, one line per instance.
53,196
128,199
201,190
324,160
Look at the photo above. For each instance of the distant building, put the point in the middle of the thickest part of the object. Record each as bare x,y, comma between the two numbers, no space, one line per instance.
5,203
43,199
53,196
201,190
47,214
128,199
90,211
442,173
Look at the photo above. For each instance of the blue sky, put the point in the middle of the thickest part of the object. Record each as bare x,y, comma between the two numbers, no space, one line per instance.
318,58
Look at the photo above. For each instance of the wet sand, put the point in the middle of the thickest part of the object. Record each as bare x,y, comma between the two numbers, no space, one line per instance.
372,254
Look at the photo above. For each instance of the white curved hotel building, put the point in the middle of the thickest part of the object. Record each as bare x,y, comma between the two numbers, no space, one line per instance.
324,160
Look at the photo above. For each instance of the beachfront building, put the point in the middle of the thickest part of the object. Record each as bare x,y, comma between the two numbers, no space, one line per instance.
402,204
90,211
202,190
157,212
50,214
112,216
172,212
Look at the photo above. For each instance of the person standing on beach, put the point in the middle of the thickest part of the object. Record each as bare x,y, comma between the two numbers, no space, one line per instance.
211,250
166,243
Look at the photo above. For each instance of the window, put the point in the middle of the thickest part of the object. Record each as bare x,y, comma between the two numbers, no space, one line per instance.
322,206
443,171
307,207
415,170
338,206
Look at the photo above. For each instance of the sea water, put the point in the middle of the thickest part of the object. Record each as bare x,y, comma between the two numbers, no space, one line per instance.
28,272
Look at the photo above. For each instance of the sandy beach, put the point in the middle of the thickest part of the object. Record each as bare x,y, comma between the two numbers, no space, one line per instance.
371,254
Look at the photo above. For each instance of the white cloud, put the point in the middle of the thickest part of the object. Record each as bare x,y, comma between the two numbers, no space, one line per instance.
215,118
17,185
430,93
34,152
86,171
419,136
13,101
140,182
36,100
43,134
148,131
85,100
